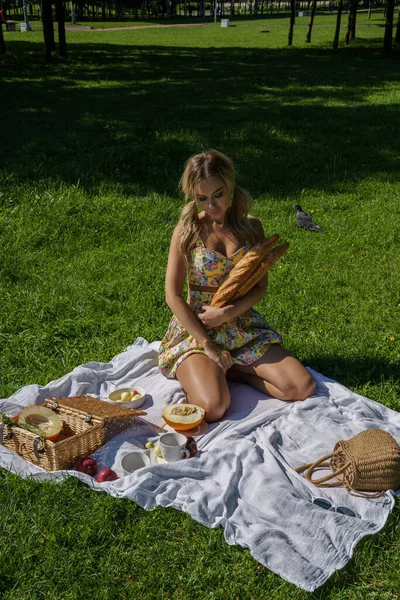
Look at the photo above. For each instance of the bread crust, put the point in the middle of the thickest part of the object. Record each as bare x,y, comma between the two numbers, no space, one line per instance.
272,257
242,271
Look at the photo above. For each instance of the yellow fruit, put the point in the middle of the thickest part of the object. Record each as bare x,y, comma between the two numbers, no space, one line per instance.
183,416
42,418
149,445
157,451
126,396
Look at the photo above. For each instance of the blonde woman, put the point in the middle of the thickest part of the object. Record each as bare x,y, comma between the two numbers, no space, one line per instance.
204,345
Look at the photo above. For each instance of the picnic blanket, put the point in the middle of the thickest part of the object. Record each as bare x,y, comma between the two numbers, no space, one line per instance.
244,477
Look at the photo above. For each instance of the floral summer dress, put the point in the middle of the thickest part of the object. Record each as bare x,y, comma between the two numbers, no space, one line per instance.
247,337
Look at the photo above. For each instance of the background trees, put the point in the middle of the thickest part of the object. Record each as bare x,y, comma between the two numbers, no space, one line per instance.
387,42
2,45
103,10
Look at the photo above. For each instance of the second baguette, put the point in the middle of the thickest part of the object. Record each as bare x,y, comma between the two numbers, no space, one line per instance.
263,268
243,270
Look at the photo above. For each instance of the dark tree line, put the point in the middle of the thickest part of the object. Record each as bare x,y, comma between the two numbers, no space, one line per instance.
2,44
351,24
49,9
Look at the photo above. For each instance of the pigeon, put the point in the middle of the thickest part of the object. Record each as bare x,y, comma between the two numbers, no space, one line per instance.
304,220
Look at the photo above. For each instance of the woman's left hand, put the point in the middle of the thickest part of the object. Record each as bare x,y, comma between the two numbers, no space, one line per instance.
211,316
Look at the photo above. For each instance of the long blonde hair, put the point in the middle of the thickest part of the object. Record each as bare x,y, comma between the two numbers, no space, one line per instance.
200,166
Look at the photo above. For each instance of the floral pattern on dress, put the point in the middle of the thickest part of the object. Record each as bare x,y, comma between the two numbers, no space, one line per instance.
247,337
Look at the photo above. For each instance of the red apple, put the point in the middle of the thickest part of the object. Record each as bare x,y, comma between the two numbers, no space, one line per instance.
86,465
191,445
106,475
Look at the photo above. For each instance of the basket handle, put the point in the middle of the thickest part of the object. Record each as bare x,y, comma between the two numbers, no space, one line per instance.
308,465
321,463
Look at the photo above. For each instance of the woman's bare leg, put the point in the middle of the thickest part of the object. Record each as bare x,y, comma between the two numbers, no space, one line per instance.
278,374
205,385
255,381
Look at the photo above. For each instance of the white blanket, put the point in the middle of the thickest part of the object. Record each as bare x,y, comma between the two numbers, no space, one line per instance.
244,477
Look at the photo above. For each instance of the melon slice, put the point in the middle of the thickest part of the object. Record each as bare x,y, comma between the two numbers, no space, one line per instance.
42,418
183,416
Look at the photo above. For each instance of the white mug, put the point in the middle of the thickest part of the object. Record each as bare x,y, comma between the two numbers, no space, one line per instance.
173,446
133,461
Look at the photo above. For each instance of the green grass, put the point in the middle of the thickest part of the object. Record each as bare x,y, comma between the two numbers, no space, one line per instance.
92,149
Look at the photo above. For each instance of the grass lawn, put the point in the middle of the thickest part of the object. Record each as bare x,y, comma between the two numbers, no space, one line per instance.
92,150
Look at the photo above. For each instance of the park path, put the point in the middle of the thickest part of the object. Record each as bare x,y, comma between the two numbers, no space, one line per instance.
160,26
85,28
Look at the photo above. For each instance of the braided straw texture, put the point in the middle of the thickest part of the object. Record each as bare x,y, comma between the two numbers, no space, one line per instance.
243,270
263,268
99,408
373,458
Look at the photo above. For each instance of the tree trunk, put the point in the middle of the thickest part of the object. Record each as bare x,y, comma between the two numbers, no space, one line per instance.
338,19
2,44
48,31
387,41
353,21
60,15
369,9
311,21
351,24
397,38
51,29
292,20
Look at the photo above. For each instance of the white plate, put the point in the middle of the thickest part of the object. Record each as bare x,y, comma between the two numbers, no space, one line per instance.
137,403
198,430
159,460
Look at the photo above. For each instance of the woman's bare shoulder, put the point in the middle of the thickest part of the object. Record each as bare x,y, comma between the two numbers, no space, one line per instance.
176,232
176,236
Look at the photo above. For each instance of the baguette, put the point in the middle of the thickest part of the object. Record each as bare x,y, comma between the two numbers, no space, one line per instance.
243,270
263,268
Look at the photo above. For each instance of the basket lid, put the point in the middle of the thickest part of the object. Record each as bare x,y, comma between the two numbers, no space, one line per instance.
87,405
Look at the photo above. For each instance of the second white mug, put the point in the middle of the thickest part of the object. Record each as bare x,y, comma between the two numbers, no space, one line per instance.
133,461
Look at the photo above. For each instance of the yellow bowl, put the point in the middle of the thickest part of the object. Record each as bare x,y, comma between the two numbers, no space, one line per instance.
115,396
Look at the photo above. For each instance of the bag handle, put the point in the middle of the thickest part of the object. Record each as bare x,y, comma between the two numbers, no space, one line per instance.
320,482
321,463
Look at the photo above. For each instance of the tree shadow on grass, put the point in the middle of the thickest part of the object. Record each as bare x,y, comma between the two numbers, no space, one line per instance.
357,372
129,116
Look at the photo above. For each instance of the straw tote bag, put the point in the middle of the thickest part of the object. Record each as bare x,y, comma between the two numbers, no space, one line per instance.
368,462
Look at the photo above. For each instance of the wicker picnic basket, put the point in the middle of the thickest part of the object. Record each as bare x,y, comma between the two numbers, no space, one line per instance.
86,423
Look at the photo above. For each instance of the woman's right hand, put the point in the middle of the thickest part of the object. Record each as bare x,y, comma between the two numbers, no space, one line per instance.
219,355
